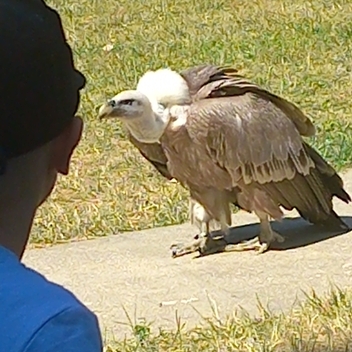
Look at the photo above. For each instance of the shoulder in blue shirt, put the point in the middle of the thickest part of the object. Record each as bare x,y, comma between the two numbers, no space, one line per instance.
38,315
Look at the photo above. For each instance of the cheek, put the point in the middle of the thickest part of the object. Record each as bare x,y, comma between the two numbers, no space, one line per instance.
48,186
134,113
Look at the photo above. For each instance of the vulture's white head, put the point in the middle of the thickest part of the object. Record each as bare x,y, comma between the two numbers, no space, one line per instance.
135,110
165,86
143,110
127,106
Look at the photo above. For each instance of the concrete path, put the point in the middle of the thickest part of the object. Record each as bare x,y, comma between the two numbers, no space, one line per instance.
136,271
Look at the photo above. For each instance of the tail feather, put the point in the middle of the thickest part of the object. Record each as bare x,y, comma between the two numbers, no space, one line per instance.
334,222
312,195
330,179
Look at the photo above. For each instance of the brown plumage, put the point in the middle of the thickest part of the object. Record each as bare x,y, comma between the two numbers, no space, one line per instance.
231,141
196,77
201,81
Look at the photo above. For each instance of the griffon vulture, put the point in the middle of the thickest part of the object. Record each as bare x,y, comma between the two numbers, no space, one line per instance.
196,78
233,142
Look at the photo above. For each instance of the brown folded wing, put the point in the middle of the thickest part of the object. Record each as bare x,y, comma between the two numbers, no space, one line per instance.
255,140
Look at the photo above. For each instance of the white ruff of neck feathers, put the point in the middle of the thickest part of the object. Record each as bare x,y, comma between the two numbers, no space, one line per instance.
165,89
151,126
164,86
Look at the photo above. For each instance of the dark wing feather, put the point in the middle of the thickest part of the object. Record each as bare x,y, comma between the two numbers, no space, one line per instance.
154,154
274,158
200,76
249,136
260,147
196,77
232,84
311,195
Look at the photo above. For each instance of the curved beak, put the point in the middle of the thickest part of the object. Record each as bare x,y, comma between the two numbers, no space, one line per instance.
105,111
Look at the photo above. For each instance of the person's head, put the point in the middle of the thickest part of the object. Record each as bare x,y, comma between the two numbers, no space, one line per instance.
39,97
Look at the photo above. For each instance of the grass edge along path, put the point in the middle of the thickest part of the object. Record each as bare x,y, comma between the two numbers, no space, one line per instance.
322,323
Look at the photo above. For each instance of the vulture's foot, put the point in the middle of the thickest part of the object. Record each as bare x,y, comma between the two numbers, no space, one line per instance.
211,245
268,237
200,235
267,234
253,244
181,249
260,244
203,243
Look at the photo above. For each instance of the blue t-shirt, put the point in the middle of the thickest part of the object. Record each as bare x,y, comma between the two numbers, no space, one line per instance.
37,315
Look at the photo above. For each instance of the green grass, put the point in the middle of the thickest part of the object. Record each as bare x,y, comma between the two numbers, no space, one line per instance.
321,324
300,50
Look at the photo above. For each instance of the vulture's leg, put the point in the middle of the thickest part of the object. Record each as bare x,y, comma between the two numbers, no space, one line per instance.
213,244
205,243
267,235
204,225
260,243
209,243
225,228
199,217
204,230
180,249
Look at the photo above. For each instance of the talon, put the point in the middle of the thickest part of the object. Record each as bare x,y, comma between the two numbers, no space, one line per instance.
200,235
262,242
180,249
255,244
177,250
173,249
252,244
263,247
211,245
203,244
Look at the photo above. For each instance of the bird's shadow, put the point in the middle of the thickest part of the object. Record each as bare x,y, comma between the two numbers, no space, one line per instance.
296,231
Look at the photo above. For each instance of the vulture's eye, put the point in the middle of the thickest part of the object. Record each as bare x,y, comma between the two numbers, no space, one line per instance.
127,102
112,103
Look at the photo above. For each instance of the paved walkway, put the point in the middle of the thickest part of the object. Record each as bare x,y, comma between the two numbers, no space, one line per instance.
135,270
